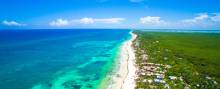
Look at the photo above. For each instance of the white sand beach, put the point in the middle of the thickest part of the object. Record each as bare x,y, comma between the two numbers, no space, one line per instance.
125,76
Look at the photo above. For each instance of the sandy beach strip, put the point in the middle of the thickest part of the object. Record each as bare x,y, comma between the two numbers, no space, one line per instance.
125,75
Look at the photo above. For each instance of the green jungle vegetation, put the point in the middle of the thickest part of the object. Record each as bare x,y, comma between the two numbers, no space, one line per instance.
194,57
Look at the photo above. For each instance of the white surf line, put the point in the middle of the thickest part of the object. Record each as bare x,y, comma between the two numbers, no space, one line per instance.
121,74
129,81
124,77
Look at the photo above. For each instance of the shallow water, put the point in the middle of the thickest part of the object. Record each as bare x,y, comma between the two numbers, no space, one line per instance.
58,59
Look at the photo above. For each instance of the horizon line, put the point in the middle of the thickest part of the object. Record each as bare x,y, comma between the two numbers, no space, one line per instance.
107,29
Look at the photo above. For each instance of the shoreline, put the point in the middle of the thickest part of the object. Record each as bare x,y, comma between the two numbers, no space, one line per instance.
129,81
124,78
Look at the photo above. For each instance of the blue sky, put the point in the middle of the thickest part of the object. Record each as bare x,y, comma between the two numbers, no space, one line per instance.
146,14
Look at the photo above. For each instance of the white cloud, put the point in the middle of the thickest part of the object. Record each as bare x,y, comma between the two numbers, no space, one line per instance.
86,20
151,20
12,23
204,20
200,17
98,20
110,20
216,18
59,22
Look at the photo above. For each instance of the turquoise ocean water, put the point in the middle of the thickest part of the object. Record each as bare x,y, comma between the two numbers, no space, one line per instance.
58,59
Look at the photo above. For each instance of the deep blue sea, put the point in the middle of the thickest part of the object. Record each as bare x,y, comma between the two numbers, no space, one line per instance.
58,59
